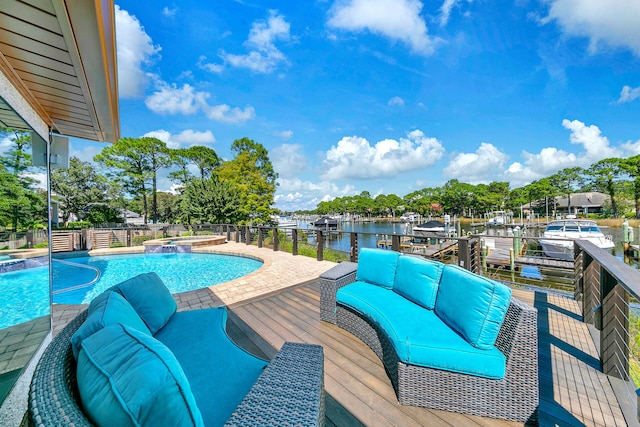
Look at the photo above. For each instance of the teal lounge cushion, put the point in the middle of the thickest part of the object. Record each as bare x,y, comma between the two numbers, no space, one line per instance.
108,310
218,370
150,298
418,335
128,378
417,279
377,266
472,305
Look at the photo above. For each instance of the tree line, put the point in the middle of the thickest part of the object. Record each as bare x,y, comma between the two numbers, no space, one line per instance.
619,178
206,188
124,176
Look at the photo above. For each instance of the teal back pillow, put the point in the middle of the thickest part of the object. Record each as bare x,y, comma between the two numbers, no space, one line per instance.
417,279
109,309
151,299
472,305
128,378
377,266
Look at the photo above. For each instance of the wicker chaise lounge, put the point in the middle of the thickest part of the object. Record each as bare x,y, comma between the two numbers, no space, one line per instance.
289,391
513,397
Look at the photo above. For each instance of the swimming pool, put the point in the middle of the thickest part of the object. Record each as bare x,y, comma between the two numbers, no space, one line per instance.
179,271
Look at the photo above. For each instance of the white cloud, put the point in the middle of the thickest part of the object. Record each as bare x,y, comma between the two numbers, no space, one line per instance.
396,101
398,20
295,194
285,134
264,56
354,157
611,22
226,114
135,49
186,138
171,99
445,11
631,148
483,166
595,144
169,13
550,160
208,66
288,159
629,94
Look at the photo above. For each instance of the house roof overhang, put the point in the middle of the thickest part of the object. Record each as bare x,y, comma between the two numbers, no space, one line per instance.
58,68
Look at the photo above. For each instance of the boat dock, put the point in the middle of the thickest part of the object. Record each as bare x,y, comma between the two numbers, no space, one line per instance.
501,254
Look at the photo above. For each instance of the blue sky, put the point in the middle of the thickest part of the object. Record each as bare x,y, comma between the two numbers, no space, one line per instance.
387,96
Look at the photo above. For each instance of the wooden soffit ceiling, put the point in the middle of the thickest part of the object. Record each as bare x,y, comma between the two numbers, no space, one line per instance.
61,56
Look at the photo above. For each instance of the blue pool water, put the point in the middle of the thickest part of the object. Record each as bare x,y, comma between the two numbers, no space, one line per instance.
23,291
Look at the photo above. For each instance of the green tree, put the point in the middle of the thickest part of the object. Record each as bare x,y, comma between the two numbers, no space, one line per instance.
214,200
168,207
605,176
134,162
204,158
252,172
631,166
20,206
101,213
567,181
17,159
77,186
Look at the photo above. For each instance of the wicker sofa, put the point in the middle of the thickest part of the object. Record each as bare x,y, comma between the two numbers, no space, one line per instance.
395,304
286,391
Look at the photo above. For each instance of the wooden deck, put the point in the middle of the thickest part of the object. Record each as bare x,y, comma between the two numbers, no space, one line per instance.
573,392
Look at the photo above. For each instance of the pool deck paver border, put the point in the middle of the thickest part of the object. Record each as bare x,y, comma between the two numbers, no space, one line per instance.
280,270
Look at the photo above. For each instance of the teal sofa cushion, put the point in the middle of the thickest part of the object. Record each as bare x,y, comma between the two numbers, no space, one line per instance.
377,266
197,338
472,305
108,310
128,378
150,298
417,279
418,335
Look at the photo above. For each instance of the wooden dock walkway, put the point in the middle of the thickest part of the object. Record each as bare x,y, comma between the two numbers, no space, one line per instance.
500,255
573,391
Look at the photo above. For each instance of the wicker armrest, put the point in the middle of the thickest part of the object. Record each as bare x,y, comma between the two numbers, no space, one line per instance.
290,391
330,281
53,395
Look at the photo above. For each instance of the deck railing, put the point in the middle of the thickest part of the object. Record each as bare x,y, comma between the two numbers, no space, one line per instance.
606,289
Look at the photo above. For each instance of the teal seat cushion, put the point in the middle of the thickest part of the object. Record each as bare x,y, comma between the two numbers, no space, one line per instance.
418,335
377,266
417,279
197,338
108,310
151,299
472,305
128,378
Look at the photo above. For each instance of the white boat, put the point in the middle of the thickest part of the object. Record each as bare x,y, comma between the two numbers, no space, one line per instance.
496,220
410,217
429,229
558,237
